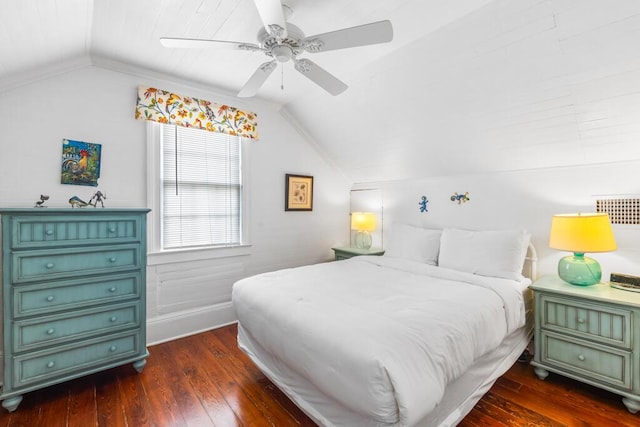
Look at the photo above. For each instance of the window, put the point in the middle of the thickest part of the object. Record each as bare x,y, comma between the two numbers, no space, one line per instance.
201,188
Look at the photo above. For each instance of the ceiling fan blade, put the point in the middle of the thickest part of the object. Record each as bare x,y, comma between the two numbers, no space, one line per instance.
373,33
272,17
320,76
257,79
203,43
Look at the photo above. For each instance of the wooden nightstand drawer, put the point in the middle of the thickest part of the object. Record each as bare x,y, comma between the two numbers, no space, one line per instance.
589,333
586,319
34,333
62,263
599,363
349,252
36,368
48,298
340,256
32,232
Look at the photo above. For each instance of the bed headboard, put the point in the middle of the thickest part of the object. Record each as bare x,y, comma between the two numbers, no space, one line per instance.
530,267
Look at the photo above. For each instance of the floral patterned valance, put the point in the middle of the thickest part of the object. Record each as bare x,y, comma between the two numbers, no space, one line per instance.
165,107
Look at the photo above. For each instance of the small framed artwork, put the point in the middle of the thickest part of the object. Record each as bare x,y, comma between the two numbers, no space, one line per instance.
80,163
298,193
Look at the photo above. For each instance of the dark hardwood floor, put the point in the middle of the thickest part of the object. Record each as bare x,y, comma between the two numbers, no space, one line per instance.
204,380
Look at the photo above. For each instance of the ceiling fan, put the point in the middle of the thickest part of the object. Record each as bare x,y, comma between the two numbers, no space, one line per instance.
282,42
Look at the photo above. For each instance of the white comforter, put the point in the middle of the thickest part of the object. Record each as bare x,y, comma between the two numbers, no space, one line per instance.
380,335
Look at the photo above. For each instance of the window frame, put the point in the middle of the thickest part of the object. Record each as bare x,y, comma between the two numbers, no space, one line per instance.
156,253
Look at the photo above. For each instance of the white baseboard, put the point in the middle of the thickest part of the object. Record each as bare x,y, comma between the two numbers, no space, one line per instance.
177,325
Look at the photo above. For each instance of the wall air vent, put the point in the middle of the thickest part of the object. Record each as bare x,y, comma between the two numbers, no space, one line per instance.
621,210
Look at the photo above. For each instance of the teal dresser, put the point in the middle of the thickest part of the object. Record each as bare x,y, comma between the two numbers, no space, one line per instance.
591,334
73,290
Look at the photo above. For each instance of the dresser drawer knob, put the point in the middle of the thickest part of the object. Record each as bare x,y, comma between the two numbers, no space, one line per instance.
581,358
50,331
50,298
113,318
112,259
49,232
112,230
581,320
112,289
113,348
51,364
49,265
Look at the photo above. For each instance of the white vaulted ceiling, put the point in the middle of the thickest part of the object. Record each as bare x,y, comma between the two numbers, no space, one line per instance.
465,86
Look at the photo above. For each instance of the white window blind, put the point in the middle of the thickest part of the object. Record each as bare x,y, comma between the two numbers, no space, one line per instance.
201,188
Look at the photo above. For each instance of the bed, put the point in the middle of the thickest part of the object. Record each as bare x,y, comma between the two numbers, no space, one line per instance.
411,338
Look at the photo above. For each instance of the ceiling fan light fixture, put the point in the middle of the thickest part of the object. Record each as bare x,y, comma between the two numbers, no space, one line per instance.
281,53
282,41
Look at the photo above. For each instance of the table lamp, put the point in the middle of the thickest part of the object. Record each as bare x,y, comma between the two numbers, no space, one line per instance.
580,233
363,223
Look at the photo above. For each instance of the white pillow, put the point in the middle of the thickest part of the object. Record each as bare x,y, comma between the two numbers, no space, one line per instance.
414,243
496,253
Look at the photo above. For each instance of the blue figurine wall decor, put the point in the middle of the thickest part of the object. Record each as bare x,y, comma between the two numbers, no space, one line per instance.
423,204
460,198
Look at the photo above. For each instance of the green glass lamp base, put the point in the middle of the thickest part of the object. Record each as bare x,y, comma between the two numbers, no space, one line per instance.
579,270
363,240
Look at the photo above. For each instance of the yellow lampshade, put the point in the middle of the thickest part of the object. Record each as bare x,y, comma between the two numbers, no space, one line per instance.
363,221
582,232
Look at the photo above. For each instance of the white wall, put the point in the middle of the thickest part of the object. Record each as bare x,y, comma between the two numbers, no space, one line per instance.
522,199
95,104
512,85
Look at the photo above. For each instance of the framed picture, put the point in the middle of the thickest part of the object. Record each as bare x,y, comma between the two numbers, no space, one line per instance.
298,193
80,163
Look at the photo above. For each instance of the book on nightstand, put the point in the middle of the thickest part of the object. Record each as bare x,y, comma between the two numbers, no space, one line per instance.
626,282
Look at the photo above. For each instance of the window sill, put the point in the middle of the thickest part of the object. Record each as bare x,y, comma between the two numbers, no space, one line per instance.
196,254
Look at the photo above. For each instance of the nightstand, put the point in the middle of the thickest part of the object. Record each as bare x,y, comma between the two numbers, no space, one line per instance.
349,252
590,334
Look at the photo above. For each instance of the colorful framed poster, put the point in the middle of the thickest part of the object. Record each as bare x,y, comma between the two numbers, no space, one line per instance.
80,163
298,193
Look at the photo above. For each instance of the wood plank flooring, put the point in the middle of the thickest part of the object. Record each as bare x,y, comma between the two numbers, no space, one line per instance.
204,380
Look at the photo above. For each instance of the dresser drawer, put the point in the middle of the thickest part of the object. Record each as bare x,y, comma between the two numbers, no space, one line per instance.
38,367
589,320
599,363
50,297
34,333
61,263
51,231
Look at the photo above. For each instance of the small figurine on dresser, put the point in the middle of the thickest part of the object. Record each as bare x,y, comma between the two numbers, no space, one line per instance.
77,202
98,197
40,203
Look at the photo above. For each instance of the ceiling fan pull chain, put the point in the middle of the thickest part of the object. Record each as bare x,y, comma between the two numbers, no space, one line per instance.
282,77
